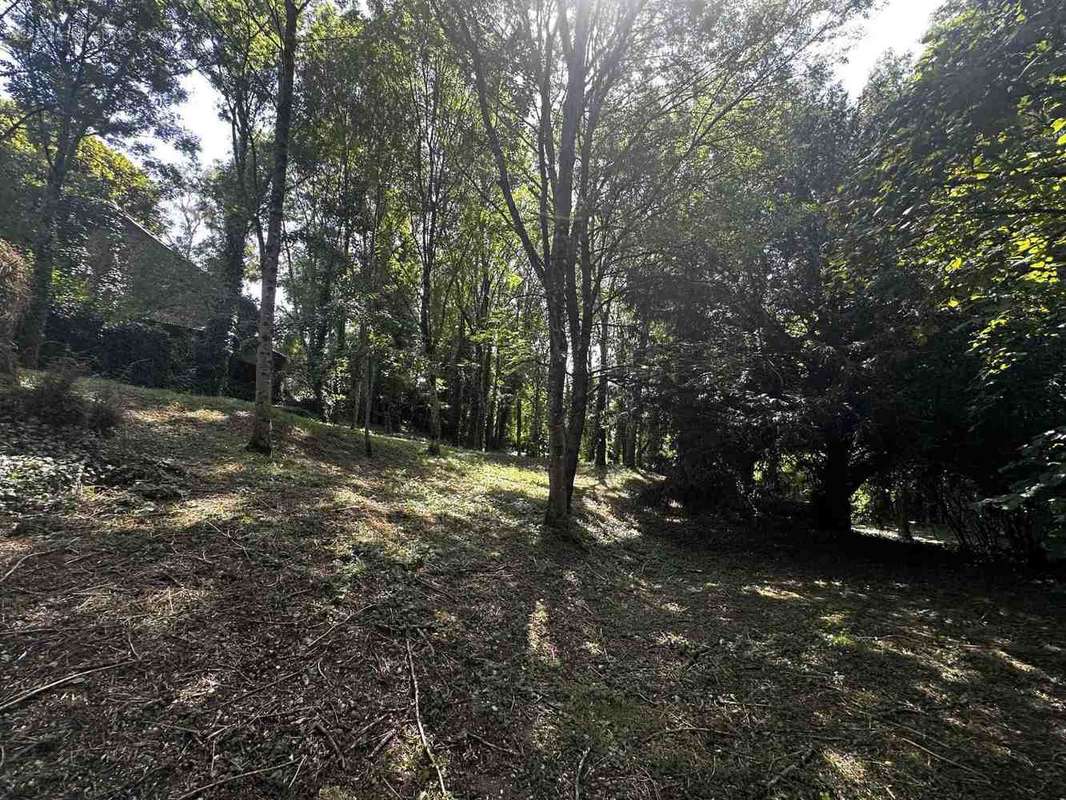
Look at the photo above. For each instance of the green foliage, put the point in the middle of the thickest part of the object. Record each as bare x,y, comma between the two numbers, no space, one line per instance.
1039,482
14,290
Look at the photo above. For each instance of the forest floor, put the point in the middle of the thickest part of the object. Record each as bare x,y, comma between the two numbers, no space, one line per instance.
197,622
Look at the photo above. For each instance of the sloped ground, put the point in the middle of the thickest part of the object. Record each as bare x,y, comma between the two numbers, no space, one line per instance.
217,625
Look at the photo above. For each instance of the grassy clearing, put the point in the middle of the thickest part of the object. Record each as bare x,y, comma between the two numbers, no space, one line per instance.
255,625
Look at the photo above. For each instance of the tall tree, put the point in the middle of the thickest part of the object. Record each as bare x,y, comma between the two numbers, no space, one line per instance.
260,441
439,114
573,96
229,41
76,70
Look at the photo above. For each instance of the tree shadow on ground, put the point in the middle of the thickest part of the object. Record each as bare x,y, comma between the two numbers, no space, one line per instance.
270,620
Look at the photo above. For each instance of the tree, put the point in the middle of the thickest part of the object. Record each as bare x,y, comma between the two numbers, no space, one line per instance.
439,113
961,196
229,41
78,70
260,441
573,96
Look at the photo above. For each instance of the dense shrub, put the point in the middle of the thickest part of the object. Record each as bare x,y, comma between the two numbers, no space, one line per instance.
140,353
75,330
57,400
134,352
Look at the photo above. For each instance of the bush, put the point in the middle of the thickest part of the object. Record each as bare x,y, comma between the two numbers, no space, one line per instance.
56,401
134,352
74,329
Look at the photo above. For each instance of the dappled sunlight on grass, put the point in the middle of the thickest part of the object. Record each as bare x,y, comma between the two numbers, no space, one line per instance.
774,593
538,631
267,605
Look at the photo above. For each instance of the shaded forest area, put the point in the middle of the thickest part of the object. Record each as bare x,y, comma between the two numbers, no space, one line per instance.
258,627
541,398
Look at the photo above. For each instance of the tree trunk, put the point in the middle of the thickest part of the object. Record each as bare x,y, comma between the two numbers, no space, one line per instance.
832,498
429,349
536,425
355,370
599,445
457,385
492,422
558,494
434,412
264,371
518,417
578,409
369,406
636,406
480,428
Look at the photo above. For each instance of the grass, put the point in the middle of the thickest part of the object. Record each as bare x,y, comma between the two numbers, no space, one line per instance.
251,629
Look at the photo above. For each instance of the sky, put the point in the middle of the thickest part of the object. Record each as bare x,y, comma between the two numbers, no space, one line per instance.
898,26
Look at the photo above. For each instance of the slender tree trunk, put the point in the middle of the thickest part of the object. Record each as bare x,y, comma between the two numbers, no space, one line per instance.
518,417
636,408
492,423
578,409
536,426
482,427
599,445
429,350
832,498
558,494
434,412
355,370
369,406
264,372
457,382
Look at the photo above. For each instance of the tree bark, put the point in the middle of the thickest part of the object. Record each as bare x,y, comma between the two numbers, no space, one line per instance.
369,447
832,498
536,425
264,372
599,445
434,412
429,350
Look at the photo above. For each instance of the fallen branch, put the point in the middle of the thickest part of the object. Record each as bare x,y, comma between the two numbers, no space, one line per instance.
342,622
388,737
332,742
259,771
14,701
487,743
577,775
945,759
418,720
430,585
18,563
262,688
790,769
